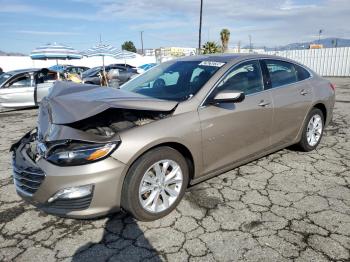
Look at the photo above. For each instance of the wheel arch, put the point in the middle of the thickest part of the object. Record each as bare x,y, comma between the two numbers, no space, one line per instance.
319,105
323,109
182,149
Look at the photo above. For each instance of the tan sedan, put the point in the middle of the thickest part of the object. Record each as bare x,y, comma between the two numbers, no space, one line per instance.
138,148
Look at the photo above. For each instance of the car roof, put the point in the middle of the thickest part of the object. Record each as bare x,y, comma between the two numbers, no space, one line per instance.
226,58
71,66
28,70
19,71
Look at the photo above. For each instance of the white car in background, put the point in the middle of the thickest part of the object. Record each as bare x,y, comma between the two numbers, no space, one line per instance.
25,87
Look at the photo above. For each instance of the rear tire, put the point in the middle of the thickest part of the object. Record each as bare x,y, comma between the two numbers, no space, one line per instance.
312,131
151,177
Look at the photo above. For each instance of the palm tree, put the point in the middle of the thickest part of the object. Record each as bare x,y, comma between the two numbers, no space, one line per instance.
211,48
225,38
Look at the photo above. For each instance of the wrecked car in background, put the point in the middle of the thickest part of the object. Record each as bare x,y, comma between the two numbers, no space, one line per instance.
70,69
93,75
25,87
97,150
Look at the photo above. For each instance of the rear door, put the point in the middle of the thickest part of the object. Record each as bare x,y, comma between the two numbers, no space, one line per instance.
292,97
18,91
232,132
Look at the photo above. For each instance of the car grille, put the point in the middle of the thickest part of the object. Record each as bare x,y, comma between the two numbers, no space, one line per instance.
27,180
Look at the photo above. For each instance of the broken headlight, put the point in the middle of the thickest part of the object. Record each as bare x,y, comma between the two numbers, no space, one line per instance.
78,154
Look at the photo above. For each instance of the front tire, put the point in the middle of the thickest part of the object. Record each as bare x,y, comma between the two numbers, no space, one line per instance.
313,130
155,184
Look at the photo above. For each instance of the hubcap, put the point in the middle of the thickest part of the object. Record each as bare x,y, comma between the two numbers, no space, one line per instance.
160,186
314,130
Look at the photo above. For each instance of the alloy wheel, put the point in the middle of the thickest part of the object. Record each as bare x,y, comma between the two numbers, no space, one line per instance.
160,186
314,130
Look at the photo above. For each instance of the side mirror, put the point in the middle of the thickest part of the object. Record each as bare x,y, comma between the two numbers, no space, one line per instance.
229,96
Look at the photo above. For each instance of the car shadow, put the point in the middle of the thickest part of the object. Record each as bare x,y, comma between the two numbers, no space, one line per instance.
122,240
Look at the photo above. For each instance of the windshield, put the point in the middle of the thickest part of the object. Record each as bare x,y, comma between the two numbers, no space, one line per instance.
91,71
4,77
174,80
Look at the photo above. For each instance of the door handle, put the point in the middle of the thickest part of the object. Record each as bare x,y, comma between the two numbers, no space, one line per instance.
263,103
303,92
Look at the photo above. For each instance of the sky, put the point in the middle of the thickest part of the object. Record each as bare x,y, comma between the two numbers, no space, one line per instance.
26,24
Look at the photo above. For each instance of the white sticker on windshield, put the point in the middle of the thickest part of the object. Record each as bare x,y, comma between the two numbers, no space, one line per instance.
211,63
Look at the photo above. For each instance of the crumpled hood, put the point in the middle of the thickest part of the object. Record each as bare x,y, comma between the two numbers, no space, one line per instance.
71,102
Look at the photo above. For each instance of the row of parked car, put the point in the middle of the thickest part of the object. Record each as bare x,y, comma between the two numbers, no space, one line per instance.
26,87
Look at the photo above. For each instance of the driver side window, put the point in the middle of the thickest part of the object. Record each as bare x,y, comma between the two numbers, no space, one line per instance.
246,77
21,81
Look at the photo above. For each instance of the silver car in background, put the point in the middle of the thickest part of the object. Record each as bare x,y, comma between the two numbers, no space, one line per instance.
25,87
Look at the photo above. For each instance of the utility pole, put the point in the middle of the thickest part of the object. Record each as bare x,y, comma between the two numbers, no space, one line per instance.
200,28
319,36
250,44
142,42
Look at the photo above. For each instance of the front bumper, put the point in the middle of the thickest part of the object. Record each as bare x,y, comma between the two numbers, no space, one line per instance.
38,180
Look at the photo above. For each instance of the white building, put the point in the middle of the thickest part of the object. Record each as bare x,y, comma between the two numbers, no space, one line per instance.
150,52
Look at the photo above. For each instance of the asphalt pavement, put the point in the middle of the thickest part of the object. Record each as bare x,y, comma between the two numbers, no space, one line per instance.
288,206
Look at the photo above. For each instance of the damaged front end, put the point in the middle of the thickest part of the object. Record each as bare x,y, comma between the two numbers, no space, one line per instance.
78,128
27,176
90,139
84,121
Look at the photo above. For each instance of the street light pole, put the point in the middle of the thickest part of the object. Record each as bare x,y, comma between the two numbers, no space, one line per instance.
200,28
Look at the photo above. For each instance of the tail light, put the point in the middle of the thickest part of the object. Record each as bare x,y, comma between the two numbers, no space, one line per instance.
332,86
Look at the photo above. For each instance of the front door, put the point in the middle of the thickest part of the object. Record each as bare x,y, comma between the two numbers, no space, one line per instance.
18,91
233,132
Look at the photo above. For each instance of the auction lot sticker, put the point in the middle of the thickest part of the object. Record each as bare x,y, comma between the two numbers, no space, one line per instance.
211,63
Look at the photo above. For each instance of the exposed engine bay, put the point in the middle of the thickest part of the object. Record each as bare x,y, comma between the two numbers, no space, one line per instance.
110,122
74,112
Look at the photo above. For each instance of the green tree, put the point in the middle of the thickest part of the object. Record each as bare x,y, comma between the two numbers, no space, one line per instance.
211,48
225,38
129,46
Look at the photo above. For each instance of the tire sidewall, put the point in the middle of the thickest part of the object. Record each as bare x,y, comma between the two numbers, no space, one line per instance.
130,191
304,143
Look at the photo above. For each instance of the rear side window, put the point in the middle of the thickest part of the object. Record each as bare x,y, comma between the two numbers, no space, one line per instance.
281,72
121,69
302,73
